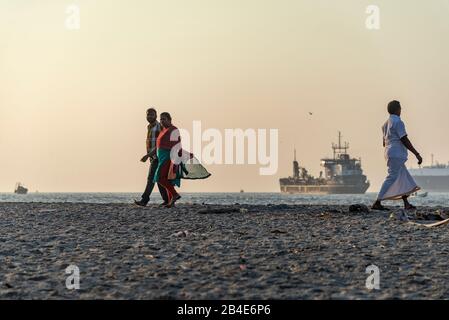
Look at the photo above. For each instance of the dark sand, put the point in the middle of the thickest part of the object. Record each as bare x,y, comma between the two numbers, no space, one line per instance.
257,252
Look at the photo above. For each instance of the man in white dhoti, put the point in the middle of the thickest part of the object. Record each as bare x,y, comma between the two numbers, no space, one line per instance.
399,184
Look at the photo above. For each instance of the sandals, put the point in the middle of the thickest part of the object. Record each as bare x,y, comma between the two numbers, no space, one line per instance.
379,207
140,203
172,202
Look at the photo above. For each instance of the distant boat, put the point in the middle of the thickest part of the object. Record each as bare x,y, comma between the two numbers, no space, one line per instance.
421,195
20,189
342,175
432,178
242,191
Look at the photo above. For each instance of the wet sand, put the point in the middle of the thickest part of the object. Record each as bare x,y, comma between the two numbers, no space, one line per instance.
217,252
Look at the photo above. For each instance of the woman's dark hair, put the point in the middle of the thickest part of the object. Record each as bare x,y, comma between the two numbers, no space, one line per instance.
394,106
166,114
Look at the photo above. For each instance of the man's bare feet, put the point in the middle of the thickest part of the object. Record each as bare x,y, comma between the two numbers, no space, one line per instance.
407,205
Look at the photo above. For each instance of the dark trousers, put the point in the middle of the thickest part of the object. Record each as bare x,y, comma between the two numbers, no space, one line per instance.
150,184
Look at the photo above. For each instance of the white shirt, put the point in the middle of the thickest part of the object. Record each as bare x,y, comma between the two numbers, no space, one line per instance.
393,130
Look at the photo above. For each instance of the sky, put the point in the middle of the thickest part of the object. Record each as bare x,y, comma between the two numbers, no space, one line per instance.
73,102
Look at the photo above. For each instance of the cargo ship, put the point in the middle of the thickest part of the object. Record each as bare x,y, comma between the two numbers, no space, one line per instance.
433,178
342,175
20,189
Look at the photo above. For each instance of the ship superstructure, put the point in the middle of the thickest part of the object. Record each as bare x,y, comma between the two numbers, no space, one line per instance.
342,175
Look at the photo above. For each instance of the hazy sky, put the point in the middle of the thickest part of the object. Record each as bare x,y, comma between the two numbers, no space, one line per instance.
72,103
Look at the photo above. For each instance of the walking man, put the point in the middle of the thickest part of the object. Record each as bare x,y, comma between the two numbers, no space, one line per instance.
154,129
399,184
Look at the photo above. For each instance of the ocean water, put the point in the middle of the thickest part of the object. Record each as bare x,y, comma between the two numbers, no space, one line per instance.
433,199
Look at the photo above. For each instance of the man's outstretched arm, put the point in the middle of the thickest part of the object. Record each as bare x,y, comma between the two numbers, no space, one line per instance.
407,143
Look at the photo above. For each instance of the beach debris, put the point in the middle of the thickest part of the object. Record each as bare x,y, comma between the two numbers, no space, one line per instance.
400,215
219,210
70,229
242,262
47,210
276,231
243,210
436,216
325,215
184,267
419,218
442,214
359,208
140,243
8,286
430,225
181,234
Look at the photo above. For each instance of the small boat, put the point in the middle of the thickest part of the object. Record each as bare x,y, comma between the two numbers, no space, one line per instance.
242,191
20,189
423,195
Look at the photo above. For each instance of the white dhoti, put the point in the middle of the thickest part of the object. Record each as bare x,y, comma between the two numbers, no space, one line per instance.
399,182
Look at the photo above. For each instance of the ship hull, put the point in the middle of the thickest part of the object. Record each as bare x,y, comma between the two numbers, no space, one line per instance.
324,189
433,183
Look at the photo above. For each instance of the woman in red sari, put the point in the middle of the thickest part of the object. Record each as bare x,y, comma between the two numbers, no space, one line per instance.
168,172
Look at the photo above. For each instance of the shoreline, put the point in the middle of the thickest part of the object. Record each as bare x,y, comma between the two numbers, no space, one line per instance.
196,251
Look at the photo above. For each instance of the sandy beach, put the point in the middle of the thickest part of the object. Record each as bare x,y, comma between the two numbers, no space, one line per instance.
197,251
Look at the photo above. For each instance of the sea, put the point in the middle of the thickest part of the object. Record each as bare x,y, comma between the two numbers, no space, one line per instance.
431,200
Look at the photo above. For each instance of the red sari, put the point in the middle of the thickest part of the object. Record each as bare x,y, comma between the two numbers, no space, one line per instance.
166,171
